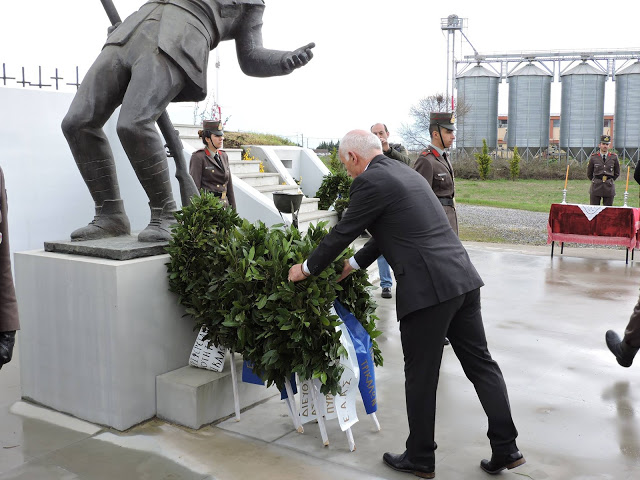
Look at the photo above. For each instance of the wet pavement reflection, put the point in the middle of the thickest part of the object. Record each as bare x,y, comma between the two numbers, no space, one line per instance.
574,406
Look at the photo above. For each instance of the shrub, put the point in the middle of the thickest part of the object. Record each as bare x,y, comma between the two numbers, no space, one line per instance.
231,277
334,190
484,161
514,164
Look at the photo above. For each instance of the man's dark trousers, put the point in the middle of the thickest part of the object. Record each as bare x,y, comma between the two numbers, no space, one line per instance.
422,333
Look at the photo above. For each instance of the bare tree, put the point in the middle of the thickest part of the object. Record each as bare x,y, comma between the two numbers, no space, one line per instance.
416,135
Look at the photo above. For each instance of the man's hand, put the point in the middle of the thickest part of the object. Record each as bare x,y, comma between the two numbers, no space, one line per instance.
346,270
298,58
296,273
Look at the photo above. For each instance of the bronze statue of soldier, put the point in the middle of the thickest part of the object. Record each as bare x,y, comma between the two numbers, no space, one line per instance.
157,55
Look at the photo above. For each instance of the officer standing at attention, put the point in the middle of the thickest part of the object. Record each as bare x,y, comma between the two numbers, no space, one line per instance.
603,170
209,166
397,152
434,165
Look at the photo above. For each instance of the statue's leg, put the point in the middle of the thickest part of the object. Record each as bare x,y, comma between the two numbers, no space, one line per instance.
155,81
99,94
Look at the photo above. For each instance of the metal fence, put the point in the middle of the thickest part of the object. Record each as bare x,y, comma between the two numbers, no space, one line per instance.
19,76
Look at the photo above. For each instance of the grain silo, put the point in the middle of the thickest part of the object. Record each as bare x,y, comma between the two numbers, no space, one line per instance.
626,128
529,110
478,92
582,110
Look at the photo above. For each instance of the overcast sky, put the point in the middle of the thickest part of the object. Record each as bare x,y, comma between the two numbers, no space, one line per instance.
373,59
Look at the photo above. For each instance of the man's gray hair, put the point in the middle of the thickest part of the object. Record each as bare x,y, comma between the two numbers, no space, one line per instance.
364,143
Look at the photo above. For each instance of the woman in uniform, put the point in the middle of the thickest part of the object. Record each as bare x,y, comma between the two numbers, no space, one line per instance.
209,166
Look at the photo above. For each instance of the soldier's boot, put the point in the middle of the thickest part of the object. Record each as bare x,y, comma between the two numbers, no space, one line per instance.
623,352
7,340
110,221
159,228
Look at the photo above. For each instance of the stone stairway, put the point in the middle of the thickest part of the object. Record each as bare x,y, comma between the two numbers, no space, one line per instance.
267,183
264,182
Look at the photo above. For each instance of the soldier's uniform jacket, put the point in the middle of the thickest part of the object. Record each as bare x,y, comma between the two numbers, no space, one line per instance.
213,176
8,303
598,169
438,171
189,29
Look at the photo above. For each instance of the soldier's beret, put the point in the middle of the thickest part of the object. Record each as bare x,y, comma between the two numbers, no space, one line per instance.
605,139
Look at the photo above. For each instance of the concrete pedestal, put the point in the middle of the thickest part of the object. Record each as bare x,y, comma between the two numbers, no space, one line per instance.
96,333
194,397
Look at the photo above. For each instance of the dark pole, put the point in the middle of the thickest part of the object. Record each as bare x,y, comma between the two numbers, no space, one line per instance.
174,144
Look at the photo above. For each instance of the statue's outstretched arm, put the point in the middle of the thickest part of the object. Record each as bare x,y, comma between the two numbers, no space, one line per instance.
257,61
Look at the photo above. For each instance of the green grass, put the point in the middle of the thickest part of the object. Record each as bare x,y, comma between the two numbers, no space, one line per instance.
237,139
535,195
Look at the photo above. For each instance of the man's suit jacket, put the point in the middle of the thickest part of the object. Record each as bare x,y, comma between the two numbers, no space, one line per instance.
8,303
189,29
409,227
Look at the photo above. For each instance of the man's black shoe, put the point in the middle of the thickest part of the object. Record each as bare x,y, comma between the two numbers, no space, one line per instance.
386,292
401,463
7,340
624,353
499,462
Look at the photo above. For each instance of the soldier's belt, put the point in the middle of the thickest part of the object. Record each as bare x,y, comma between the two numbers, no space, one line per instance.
446,202
221,195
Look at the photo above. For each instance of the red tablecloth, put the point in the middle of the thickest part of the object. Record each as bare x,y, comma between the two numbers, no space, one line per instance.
612,226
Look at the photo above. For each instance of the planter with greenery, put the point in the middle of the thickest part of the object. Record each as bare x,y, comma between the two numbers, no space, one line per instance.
231,277
335,186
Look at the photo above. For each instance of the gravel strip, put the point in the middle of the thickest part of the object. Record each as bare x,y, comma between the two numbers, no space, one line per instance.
512,226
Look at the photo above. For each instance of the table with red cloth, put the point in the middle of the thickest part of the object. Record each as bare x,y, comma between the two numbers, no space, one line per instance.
610,226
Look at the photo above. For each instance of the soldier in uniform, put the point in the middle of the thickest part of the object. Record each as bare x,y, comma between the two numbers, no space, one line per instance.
209,166
397,152
8,304
157,55
603,170
434,165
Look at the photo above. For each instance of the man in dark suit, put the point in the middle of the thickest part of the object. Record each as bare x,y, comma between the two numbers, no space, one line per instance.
8,304
438,294
158,55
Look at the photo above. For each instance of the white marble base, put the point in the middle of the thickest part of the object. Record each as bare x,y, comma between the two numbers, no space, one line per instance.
96,333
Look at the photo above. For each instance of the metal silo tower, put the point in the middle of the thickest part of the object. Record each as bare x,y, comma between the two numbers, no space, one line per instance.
582,110
529,110
626,128
478,89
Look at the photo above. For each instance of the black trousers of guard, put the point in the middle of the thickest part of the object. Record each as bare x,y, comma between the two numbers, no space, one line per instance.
422,334
595,200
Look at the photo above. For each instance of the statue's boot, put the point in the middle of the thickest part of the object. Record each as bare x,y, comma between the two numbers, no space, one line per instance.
159,228
110,221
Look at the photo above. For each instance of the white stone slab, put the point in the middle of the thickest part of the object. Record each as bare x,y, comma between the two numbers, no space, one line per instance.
194,397
96,333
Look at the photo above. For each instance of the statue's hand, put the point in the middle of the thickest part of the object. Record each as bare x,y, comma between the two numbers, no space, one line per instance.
298,58
112,28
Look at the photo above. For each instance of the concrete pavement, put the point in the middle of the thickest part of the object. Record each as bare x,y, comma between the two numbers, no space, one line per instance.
545,320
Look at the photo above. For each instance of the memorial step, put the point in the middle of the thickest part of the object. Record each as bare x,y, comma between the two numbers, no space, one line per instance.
194,397
260,179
